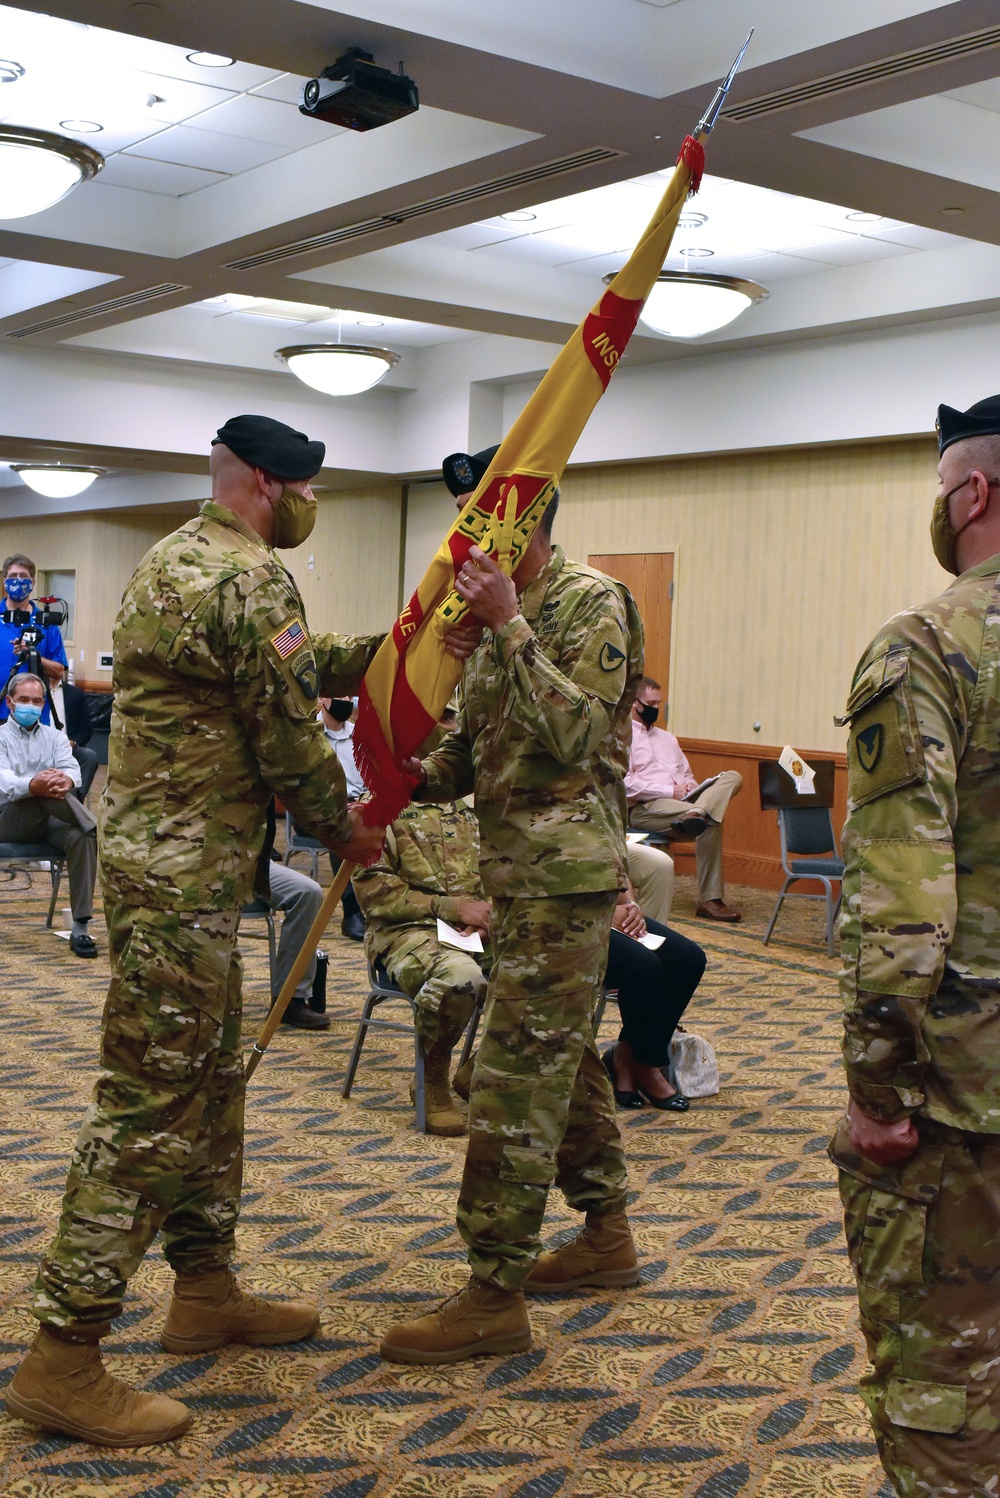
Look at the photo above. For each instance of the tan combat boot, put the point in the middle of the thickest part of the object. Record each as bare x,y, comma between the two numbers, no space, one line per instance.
64,1386
209,1309
478,1320
602,1255
442,1116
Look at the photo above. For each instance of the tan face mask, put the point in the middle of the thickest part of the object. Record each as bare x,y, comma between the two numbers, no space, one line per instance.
294,518
943,533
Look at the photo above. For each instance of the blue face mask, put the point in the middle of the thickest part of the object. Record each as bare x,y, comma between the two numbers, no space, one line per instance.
18,588
26,713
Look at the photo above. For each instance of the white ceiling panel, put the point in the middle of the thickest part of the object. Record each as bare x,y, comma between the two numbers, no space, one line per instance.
216,153
163,177
249,117
982,95
27,283
939,134
287,87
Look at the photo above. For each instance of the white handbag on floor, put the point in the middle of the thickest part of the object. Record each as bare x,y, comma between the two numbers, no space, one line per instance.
694,1069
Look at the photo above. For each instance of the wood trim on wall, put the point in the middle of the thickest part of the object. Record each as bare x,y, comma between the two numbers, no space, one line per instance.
751,848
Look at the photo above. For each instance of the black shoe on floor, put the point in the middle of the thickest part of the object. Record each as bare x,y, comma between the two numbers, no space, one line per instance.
83,945
677,1103
623,1099
353,926
302,1017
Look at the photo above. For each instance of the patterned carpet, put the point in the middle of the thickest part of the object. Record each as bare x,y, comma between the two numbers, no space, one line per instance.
730,1370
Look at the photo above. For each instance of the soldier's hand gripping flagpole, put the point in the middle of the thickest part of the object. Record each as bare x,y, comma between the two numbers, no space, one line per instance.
302,961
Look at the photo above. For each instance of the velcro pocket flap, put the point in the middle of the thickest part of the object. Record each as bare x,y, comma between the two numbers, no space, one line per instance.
108,1206
529,1165
921,1406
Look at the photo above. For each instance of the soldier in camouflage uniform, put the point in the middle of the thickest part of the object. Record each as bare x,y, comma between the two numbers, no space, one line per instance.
542,737
216,679
919,1151
429,868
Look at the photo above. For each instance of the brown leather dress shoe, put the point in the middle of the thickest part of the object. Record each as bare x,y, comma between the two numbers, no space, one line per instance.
718,910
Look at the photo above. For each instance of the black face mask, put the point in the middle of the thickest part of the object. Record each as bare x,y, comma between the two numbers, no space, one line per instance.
341,708
648,712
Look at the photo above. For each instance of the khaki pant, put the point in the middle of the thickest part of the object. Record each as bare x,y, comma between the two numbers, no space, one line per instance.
662,814
541,1108
924,1241
67,825
651,871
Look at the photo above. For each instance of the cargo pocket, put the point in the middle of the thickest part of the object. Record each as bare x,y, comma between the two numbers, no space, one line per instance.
106,1206
886,1213
175,978
938,1408
532,1167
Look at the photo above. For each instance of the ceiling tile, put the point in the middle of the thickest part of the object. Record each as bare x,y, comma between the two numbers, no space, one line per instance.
287,87
218,153
982,95
164,177
29,283
249,117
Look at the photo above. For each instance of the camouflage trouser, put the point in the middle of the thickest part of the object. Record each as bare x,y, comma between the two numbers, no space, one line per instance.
541,1108
162,1143
444,983
924,1240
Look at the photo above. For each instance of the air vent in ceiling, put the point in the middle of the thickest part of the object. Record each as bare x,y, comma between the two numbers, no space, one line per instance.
98,309
480,190
867,73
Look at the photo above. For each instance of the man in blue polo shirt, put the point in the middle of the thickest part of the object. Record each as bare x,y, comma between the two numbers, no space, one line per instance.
18,584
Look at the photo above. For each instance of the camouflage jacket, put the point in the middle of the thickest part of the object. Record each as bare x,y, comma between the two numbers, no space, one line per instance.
215,681
543,736
921,924
429,863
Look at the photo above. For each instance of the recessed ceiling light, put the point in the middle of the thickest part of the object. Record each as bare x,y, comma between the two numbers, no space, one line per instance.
56,480
695,252
10,72
684,304
370,322
81,127
692,220
519,216
37,168
338,368
210,60
952,210
865,218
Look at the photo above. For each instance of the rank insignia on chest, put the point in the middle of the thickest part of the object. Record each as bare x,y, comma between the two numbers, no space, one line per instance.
869,746
289,638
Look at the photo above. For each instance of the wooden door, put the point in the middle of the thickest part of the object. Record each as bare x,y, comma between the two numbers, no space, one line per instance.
649,577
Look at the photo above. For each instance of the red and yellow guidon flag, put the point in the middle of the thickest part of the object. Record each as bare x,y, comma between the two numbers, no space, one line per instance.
409,682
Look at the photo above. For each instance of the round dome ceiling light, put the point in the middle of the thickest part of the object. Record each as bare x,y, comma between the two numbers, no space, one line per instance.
38,168
56,480
338,368
81,127
210,60
689,304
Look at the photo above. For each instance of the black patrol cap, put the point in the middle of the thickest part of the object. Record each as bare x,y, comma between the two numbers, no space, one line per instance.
980,420
265,443
462,472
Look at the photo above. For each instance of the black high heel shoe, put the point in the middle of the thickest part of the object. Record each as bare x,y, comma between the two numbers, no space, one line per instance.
678,1103
623,1099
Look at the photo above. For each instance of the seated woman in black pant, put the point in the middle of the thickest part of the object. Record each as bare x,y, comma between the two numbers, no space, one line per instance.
654,989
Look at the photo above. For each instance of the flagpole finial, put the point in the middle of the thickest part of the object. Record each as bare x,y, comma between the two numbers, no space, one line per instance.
709,119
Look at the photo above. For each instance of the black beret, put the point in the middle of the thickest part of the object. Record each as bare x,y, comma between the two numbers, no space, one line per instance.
462,472
273,446
980,420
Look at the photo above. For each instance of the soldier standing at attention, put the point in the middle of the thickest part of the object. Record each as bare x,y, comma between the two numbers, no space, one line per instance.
542,738
919,1150
216,680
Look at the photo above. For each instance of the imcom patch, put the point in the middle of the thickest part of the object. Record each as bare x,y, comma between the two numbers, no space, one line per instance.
869,746
610,657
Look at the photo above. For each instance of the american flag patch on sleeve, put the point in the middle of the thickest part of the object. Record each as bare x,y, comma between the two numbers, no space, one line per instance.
290,638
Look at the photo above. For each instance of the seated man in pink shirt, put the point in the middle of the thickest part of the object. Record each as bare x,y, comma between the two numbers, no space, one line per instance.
658,781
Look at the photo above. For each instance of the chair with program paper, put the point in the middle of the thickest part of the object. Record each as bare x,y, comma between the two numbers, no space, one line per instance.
808,843
382,990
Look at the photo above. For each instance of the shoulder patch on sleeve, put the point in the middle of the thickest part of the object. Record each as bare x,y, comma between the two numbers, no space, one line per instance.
290,637
610,657
884,751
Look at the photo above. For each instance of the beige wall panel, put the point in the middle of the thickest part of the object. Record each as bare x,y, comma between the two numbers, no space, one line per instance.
787,563
354,582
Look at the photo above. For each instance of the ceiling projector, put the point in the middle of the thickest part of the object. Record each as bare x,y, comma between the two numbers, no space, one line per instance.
357,95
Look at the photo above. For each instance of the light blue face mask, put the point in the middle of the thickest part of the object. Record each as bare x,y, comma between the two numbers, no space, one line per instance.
26,713
18,588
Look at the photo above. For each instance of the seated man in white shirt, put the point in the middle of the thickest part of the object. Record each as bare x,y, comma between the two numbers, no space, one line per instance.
335,716
659,787
38,776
